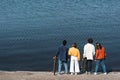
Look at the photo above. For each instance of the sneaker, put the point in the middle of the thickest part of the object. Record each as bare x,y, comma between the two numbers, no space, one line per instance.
88,73
66,73
105,73
58,73
71,73
75,73
95,73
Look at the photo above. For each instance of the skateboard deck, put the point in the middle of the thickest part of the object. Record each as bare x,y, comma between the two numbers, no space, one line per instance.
54,64
83,66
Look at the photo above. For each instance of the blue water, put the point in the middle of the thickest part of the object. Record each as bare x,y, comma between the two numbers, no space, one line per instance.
32,30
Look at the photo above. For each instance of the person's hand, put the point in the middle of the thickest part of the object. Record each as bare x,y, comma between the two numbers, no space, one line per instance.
68,59
54,57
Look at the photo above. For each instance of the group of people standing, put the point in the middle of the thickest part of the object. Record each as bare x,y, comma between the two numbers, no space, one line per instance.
73,54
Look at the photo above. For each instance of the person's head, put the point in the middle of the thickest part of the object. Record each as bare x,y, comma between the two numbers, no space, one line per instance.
64,42
90,40
74,45
98,46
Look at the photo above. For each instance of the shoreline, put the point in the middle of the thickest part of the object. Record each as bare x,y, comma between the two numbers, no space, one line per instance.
35,75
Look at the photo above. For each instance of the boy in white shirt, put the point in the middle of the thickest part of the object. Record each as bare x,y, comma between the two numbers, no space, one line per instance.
89,52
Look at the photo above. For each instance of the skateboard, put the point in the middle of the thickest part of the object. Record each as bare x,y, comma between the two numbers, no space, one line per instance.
54,64
83,66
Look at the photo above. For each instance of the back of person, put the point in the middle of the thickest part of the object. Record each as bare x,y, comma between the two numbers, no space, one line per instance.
100,58
62,53
62,57
74,52
100,53
89,51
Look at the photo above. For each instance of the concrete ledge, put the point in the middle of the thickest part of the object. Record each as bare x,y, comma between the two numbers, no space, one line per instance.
30,75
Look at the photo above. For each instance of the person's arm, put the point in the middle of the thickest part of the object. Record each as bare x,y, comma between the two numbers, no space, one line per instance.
84,52
69,52
93,51
67,56
58,52
79,55
104,53
56,55
94,55
97,53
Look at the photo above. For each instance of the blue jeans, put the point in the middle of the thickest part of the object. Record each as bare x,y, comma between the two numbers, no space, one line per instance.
60,66
102,64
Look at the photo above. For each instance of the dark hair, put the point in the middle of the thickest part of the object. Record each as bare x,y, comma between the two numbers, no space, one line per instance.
74,45
90,40
64,42
98,46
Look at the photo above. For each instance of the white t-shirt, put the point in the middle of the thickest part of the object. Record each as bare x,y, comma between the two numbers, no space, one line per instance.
89,51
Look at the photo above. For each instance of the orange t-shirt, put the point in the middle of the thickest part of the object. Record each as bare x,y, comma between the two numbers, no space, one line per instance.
100,53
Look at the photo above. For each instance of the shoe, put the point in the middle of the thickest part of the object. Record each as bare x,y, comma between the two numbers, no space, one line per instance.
95,73
105,73
88,72
71,73
75,73
65,73
58,73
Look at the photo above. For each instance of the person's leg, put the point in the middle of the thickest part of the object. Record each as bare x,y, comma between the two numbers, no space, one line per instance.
103,66
77,70
66,66
72,65
59,66
89,65
97,66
